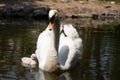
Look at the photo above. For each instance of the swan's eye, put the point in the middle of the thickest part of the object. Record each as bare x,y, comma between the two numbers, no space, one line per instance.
50,29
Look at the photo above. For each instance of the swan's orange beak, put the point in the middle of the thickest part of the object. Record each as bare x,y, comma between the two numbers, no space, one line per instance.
51,25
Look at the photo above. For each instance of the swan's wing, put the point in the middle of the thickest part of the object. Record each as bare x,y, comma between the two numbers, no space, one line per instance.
70,31
63,55
42,45
43,39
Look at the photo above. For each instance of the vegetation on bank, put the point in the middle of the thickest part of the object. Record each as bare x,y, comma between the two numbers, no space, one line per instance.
111,26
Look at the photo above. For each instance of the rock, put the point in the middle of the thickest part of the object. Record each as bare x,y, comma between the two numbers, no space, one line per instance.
12,11
74,16
112,2
24,12
40,12
66,1
95,16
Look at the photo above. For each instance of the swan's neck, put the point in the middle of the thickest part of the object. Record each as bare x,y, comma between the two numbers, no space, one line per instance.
56,35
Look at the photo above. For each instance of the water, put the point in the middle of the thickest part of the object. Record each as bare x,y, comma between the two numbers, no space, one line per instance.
100,59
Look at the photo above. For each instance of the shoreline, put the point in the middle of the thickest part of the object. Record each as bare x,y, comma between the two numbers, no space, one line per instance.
72,9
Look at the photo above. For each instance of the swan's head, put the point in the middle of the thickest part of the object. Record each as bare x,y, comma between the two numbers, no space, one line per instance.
53,19
52,14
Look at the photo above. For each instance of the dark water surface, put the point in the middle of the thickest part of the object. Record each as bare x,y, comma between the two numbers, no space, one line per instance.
100,59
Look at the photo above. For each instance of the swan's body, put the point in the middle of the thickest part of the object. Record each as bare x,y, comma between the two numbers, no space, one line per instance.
45,52
55,49
48,43
69,48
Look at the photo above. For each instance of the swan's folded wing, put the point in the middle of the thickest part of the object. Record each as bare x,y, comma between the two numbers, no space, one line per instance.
63,55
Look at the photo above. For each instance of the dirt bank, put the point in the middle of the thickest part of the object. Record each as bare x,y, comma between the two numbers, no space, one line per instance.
74,9
78,9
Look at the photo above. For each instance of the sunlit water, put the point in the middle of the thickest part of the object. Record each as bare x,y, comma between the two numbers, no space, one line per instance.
100,58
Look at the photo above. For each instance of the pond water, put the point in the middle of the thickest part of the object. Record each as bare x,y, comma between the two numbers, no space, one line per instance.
100,58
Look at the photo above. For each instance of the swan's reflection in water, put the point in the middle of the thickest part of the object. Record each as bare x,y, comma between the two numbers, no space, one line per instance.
42,75
65,76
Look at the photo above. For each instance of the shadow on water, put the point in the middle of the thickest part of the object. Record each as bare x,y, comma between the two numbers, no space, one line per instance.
100,58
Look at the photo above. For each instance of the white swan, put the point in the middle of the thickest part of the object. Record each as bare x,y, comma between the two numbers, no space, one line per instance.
55,49
70,47
47,44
